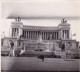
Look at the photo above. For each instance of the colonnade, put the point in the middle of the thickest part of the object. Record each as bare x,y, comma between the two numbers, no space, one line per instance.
30,34
35,34
66,34
15,32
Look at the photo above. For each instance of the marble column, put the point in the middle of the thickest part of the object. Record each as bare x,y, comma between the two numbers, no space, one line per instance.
26,34
12,32
46,36
23,33
32,34
65,34
53,35
17,31
68,34
29,34
57,35
37,34
43,35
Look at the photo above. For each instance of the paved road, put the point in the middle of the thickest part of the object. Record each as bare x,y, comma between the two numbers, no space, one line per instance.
35,64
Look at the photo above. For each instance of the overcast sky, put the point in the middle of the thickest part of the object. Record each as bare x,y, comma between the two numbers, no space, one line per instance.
41,14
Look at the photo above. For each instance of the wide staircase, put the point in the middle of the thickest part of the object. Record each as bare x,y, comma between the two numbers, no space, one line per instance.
33,47
35,44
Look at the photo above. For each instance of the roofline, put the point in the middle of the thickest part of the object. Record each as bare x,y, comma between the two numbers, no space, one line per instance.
41,26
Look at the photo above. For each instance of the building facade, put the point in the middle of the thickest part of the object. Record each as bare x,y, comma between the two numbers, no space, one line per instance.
48,39
62,31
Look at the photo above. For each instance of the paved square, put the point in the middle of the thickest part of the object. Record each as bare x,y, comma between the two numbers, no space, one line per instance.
35,64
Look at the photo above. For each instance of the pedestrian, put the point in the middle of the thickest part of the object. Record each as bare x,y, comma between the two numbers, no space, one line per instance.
42,57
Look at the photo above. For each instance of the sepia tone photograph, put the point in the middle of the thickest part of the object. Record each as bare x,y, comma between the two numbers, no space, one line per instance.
40,36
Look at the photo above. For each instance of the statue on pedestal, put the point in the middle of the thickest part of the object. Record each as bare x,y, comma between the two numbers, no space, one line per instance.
40,39
11,49
18,19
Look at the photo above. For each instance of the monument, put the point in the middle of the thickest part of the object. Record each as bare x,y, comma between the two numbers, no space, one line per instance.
45,38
